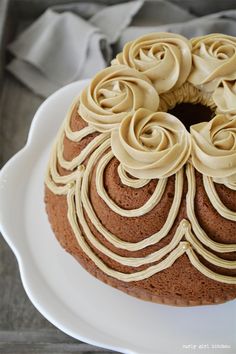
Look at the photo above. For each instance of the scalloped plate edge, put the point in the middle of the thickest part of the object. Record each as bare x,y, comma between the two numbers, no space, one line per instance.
7,172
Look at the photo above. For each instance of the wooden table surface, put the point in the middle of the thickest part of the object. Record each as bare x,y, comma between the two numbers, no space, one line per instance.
22,328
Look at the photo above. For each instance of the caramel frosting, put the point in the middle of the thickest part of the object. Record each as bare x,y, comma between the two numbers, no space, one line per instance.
187,93
151,145
214,147
76,188
214,60
154,199
113,94
215,199
225,97
131,182
121,103
165,58
197,229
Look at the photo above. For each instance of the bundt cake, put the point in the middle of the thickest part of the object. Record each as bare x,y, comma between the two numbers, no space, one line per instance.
141,183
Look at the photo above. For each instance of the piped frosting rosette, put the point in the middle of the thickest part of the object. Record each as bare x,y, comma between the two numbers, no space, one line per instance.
214,148
123,100
151,145
214,60
165,58
225,97
113,94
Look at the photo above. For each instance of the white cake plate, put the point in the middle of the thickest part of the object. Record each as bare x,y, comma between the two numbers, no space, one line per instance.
65,293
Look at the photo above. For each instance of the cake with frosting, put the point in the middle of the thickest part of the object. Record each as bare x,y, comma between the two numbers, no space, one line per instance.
141,183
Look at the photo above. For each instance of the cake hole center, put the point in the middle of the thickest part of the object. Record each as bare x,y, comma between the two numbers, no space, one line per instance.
190,113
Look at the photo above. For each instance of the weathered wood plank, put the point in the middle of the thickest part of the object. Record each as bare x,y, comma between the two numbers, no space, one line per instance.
33,8
42,336
28,349
203,7
11,348
4,10
43,341
17,108
16,311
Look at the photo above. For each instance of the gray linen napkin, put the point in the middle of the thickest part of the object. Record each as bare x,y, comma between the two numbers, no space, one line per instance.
221,22
60,48
73,41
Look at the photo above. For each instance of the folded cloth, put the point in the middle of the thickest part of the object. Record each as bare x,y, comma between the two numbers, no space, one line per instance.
221,22
60,48
73,41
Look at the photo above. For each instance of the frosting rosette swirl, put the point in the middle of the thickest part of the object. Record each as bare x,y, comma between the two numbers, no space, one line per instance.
214,60
165,58
113,94
151,144
214,147
225,97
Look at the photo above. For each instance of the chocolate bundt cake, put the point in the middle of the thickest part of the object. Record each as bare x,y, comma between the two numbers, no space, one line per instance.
141,183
